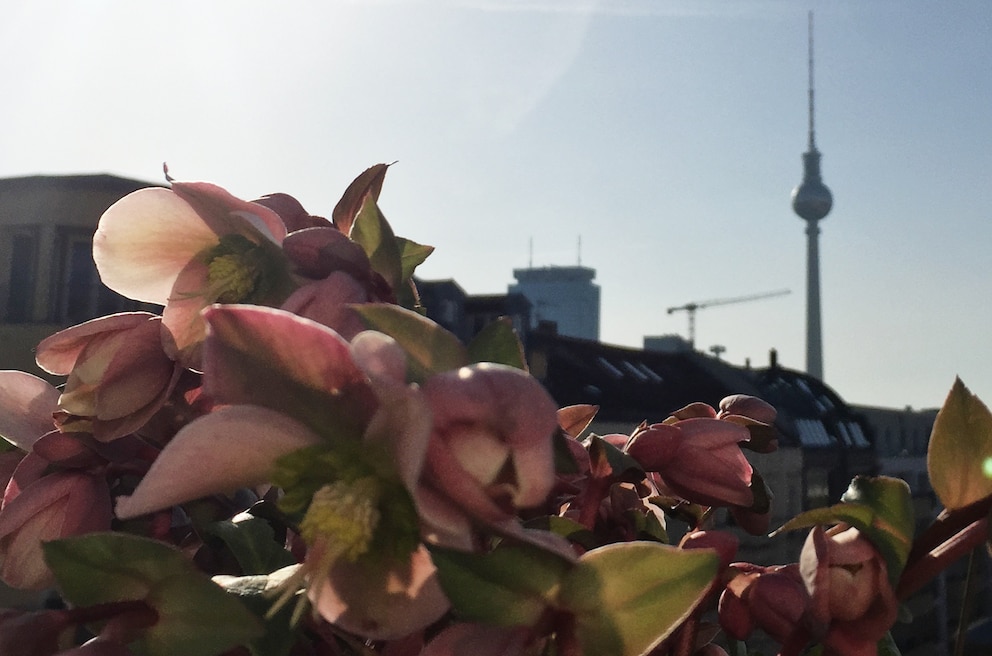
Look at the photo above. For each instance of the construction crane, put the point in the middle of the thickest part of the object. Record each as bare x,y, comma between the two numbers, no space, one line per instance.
691,308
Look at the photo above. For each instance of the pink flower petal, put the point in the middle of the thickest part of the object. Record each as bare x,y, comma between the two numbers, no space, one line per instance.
380,602
26,406
228,214
183,326
30,469
329,301
511,405
55,506
58,353
379,356
310,353
118,372
292,213
317,252
402,425
145,239
230,448
137,375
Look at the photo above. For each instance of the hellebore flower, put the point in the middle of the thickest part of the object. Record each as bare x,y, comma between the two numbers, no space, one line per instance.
350,488
772,599
491,451
188,247
55,506
853,604
119,375
699,459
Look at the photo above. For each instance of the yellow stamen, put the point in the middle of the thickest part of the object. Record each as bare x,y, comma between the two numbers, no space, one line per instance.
339,523
343,517
232,277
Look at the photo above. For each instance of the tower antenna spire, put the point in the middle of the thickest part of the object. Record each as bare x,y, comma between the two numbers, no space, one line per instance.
812,201
812,130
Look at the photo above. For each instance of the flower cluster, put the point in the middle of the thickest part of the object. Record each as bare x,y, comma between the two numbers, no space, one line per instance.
293,459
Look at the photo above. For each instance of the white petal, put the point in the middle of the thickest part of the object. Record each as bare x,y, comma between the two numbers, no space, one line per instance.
144,240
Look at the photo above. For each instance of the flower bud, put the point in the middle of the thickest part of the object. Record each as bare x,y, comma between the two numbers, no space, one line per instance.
52,507
725,544
853,603
119,374
747,406
491,449
770,598
698,459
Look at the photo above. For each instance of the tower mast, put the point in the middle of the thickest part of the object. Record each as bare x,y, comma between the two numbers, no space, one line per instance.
812,201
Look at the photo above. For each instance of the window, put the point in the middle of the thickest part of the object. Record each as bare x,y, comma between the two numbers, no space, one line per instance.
817,488
22,275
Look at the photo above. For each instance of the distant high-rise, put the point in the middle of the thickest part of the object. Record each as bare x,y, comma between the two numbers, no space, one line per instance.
812,201
565,295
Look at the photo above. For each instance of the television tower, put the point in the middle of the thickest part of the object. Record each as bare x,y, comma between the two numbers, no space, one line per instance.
812,201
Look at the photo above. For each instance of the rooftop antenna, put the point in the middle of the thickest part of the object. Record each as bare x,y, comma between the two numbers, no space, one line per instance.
580,250
530,260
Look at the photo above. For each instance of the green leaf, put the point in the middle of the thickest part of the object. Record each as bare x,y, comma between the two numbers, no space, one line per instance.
567,528
628,597
646,525
878,506
252,542
887,646
498,342
510,586
257,594
431,348
606,459
851,513
959,457
195,616
372,232
412,255
106,567
565,460
892,523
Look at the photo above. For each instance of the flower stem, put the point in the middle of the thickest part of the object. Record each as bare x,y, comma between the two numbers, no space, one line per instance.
967,605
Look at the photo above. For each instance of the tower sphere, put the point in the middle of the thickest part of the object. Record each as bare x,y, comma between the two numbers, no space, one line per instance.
811,200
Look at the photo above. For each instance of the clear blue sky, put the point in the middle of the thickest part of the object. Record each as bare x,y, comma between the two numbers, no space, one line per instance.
666,134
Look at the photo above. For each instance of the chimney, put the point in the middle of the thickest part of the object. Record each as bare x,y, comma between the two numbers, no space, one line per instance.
773,359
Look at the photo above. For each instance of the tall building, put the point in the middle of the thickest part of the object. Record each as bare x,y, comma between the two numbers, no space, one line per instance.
812,201
565,295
